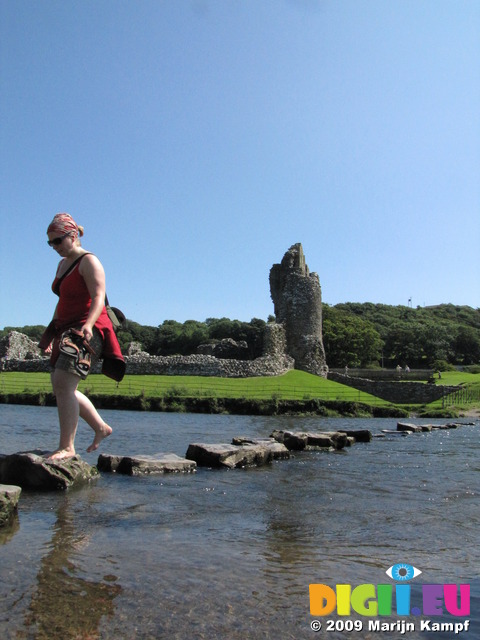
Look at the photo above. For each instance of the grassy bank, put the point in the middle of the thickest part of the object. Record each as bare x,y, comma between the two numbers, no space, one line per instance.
296,392
294,385
293,393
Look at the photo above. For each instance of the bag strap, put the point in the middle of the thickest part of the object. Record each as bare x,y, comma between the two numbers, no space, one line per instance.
69,270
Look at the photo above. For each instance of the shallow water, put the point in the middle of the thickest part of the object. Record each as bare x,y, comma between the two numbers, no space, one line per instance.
230,554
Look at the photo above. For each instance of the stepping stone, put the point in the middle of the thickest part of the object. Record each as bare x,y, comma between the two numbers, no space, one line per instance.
359,435
299,440
145,465
233,456
9,497
33,470
450,425
413,428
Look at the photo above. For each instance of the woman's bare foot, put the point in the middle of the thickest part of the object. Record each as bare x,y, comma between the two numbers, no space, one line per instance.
100,435
61,454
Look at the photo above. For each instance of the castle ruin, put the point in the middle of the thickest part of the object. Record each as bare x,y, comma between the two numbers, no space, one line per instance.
297,299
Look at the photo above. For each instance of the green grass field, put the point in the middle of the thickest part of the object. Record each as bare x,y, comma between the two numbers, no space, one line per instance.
294,385
459,377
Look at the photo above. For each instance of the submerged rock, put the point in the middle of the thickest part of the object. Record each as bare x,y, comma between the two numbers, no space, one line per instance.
407,427
9,497
33,470
143,465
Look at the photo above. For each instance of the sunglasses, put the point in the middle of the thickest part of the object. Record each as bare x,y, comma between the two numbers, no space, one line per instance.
56,241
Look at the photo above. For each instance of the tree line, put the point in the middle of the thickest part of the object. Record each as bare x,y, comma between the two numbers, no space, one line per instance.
364,334
354,335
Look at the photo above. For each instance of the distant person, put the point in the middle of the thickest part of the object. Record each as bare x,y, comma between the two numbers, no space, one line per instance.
407,369
399,369
79,334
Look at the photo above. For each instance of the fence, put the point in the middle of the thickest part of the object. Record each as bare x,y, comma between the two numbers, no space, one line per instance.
196,386
461,396
388,374
165,386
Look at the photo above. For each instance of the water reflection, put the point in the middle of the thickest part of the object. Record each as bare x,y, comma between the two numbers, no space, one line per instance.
8,531
65,604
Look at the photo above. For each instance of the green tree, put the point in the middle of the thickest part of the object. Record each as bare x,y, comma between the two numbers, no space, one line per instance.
403,345
467,345
349,340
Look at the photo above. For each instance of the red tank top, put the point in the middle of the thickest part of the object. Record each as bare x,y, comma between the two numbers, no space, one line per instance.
75,302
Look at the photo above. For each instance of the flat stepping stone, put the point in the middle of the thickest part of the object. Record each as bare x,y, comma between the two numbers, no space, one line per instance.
246,453
33,470
9,497
413,428
300,440
358,435
145,465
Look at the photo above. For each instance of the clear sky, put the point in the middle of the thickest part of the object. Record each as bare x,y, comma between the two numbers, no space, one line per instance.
197,140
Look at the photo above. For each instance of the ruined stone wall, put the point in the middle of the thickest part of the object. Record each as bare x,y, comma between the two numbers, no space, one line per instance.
19,353
297,299
18,345
396,392
274,340
196,365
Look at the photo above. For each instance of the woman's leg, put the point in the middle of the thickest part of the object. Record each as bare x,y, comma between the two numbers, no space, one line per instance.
64,387
93,419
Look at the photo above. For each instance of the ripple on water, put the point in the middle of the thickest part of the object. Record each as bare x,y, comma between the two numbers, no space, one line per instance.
221,554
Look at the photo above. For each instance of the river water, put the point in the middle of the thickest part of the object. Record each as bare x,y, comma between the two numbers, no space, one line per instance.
230,554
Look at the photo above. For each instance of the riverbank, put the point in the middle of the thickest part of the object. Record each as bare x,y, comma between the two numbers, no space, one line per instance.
246,406
235,406
294,393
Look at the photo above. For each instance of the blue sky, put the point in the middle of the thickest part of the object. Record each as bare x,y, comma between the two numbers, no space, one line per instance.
197,140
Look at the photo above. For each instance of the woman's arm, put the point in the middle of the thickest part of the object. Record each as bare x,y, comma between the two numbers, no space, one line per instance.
92,272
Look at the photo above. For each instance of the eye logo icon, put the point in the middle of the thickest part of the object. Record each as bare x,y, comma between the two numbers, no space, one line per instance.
402,572
378,600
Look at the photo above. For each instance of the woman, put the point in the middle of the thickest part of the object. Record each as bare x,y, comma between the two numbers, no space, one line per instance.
81,332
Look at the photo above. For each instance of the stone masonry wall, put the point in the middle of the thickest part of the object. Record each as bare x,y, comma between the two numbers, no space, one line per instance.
196,365
18,345
19,353
396,392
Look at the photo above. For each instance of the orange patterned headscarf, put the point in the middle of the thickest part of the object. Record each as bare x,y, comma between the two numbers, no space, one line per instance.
64,223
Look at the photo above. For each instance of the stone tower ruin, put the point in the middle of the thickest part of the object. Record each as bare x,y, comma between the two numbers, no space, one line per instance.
297,299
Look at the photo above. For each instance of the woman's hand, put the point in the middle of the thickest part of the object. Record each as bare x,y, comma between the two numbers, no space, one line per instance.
87,331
